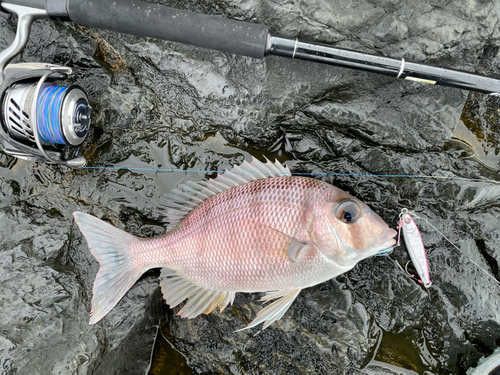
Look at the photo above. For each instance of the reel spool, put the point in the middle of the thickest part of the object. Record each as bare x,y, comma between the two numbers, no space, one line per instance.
39,118
63,114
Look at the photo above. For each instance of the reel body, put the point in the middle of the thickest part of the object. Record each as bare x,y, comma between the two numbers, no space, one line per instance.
39,118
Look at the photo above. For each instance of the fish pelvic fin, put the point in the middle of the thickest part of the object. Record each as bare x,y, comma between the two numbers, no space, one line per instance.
111,247
176,288
275,310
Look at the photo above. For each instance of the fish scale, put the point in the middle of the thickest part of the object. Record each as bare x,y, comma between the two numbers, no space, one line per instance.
261,230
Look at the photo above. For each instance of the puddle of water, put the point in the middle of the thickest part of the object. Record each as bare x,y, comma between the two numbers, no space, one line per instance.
476,148
397,350
166,360
478,130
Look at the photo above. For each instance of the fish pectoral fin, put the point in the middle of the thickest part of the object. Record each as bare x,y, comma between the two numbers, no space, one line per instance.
176,288
298,250
275,310
271,242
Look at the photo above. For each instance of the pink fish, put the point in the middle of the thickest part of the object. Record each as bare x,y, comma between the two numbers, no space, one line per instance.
256,228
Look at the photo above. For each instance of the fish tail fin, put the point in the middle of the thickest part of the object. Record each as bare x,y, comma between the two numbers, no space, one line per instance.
111,247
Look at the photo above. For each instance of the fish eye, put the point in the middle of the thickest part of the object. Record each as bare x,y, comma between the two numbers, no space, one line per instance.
348,212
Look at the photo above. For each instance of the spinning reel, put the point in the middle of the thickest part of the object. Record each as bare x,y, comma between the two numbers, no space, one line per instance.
39,120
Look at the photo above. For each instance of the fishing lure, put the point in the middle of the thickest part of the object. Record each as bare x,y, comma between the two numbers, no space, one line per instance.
415,245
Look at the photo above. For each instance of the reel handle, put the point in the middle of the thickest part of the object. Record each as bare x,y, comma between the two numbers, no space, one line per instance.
26,14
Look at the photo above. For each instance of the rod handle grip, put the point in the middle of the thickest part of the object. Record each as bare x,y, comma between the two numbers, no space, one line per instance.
162,22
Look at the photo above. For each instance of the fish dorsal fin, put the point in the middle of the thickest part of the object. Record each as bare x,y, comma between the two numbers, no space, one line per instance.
182,200
176,288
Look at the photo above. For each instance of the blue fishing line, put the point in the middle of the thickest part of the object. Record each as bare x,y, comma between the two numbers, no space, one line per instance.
48,108
254,172
298,173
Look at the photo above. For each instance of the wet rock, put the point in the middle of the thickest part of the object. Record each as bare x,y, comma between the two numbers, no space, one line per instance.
45,299
162,105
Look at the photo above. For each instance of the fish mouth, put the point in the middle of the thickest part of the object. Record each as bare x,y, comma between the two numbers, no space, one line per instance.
385,241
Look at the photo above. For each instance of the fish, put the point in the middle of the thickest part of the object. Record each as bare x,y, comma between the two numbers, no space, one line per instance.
255,228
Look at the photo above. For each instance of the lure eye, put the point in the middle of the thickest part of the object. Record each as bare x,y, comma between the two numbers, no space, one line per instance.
348,212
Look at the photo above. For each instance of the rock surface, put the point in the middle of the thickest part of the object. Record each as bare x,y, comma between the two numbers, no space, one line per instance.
162,105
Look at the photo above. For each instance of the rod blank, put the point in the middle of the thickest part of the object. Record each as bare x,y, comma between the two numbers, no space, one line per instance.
398,68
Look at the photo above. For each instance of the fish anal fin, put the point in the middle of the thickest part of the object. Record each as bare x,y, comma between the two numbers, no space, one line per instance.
276,309
176,288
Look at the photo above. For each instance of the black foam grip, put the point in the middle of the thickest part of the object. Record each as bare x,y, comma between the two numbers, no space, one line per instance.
158,21
36,4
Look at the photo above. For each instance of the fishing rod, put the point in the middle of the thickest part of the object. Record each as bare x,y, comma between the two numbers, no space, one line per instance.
240,38
182,26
